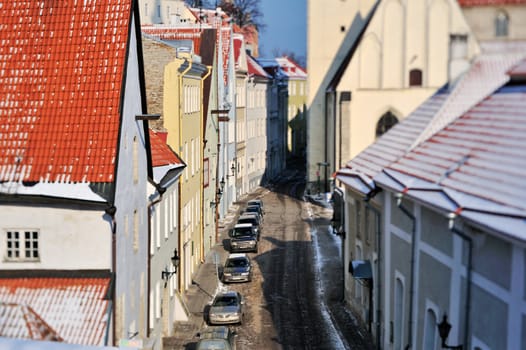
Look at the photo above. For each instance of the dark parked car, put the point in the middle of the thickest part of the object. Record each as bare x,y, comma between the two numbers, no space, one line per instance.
216,338
243,237
256,202
254,209
238,268
251,218
226,308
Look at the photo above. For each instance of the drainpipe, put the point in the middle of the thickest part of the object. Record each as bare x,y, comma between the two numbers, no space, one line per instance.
181,149
413,255
201,175
378,283
111,210
469,241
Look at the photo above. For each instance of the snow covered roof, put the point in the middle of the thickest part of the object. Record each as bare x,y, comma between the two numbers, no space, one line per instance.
164,158
255,69
291,68
62,68
390,146
70,310
487,73
476,163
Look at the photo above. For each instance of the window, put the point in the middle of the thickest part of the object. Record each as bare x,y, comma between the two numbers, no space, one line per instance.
206,172
430,336
415,77
501,24
22,245
386,122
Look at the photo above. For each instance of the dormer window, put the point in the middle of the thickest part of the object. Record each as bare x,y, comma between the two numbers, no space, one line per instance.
501,24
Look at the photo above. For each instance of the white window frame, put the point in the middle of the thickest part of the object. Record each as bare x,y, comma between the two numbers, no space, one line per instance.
21,250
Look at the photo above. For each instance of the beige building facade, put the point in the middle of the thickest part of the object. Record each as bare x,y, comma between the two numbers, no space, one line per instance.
371,64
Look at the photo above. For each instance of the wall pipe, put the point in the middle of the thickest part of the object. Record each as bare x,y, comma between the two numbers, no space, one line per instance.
378,284
412,273
469,241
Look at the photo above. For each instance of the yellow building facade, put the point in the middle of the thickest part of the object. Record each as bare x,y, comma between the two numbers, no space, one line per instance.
183,120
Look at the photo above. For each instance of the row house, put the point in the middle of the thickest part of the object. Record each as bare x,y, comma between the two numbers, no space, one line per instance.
296,78
370,64
74,170
277,107
256,123
165,306
431,225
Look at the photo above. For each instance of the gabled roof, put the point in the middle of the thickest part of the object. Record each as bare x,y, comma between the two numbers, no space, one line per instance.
255,69
72,310
473,167
162,154
61,76
164,159
359,172
290,68
487,74
170,34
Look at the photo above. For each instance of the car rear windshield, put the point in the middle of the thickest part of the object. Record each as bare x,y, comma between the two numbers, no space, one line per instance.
242,231
252,221
241,262
225,301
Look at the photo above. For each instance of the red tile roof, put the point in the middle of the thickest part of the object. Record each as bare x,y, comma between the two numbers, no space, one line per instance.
254,68
175,33
61,72
73,310
490,2
162,154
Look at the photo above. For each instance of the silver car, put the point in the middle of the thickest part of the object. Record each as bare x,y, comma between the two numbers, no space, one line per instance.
238,268
216,338
226,308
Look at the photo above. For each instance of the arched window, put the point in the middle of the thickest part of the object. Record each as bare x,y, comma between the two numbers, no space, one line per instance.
386,122
398,314
430,335
501,24
415,77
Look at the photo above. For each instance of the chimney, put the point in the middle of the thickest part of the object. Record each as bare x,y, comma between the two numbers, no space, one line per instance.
458,56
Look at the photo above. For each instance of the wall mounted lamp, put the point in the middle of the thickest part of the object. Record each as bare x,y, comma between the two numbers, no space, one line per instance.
443,330
166,274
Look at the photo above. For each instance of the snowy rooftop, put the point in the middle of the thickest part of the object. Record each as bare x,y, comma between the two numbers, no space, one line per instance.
70,310
62,69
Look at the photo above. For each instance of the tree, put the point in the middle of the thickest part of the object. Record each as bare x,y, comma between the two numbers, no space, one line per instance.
244,12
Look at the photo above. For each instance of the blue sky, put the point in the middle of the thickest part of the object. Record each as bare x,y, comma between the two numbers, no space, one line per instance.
285,27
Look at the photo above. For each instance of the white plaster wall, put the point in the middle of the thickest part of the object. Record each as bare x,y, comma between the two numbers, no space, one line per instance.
69,239
131,252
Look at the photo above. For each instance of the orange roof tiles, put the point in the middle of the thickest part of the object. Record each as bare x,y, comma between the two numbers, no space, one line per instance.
61,72
162,154
73,310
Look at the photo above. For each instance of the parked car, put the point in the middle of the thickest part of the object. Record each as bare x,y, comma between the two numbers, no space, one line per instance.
257,202
238,268
251,218
243,237
226,308
254,209
216,338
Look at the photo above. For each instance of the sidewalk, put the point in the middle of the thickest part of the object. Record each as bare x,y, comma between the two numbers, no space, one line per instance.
205,285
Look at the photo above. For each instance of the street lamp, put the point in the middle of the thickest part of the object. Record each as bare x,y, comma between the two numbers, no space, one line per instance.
166,274
443,330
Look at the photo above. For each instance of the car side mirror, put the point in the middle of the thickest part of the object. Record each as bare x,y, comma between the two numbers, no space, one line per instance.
230,233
